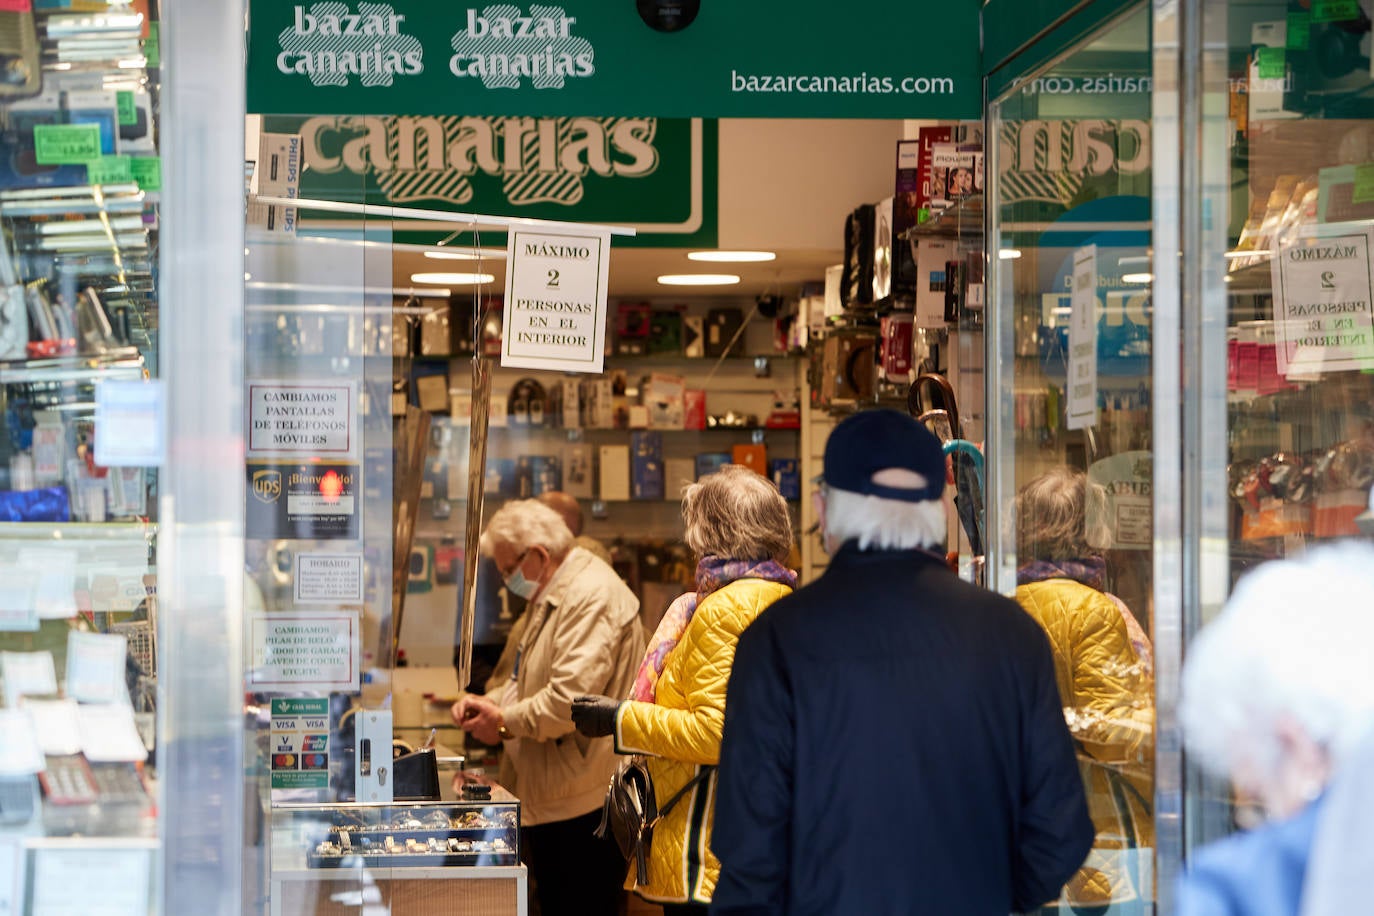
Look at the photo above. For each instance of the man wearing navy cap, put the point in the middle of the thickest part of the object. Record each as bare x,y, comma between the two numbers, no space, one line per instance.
894,739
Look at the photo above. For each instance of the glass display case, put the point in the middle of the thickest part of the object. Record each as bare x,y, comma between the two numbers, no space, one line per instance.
401,835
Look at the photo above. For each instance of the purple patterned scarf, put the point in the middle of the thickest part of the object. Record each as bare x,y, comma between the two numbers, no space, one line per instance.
713,573
1089,571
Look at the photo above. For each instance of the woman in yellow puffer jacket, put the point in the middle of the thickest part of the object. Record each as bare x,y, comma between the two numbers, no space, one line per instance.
1102,664
738,524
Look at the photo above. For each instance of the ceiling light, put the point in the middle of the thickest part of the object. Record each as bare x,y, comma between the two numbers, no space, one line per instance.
454,279
732,257
698,279
465,254
1137,278
369,290
1008,254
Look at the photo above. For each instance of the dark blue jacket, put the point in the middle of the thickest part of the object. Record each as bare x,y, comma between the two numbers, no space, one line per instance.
895,743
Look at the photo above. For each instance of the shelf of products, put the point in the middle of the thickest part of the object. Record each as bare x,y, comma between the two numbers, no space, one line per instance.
80,178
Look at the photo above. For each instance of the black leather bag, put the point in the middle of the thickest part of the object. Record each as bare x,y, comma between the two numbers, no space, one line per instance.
631,811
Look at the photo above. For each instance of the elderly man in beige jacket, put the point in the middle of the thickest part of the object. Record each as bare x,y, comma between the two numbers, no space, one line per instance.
583,636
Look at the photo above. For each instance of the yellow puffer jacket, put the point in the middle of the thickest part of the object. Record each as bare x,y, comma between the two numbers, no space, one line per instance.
1108,701
681,732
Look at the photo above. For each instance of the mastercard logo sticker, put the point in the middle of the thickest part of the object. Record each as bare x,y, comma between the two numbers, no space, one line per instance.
283,761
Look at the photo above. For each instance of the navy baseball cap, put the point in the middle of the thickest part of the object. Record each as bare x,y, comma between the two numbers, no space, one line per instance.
865,443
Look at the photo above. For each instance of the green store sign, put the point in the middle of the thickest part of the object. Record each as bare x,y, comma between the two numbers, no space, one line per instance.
657,175
734,58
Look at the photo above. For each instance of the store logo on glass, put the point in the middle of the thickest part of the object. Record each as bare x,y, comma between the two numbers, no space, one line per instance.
331,44
502,45
267,486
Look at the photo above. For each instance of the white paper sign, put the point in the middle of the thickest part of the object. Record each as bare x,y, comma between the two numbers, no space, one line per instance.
329,577
56,595
113,881
18,597
302,418
1082,378
109,734
54,723
27,673
129,424
555,307
95,667
20,753
304,650
11,875
1323,319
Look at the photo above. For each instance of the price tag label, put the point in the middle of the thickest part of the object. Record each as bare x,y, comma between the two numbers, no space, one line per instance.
147,171
110,170
128,110
66,144
1272,63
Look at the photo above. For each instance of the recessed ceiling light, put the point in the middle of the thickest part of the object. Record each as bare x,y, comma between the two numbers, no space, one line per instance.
698,279
734,257
466,254
1008,254
452,278
1137,278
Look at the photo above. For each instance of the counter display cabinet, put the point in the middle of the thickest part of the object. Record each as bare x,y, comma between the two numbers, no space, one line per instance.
433,857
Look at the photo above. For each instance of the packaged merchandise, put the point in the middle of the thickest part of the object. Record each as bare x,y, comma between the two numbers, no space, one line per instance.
754,456
646,465
614,473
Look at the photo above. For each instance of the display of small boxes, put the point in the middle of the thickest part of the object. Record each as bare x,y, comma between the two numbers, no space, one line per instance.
578,481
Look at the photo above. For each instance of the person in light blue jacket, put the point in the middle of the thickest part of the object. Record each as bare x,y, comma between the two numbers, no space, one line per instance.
1278,696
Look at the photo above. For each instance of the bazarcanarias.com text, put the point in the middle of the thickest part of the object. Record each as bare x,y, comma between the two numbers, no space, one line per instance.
856,84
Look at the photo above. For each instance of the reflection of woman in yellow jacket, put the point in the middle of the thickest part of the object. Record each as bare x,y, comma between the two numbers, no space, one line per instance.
1102,667
739,526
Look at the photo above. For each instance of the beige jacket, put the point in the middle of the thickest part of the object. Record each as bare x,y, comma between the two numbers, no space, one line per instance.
583,636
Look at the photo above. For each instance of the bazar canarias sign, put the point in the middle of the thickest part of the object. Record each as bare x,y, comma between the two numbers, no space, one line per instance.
592,57
656,175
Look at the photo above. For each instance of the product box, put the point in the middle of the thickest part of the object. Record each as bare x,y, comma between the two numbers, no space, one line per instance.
577,470
677,473
693,336
646,465
632,325
786,477
663,396
722,326
931,256
709,462
636,416
614,472
693,408
545,474
566,401
927,140
599,404
906,205
501,477
431,391
665,331
956,172
897,331
754,456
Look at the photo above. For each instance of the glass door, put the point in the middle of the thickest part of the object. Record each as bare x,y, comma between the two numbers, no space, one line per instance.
1070,392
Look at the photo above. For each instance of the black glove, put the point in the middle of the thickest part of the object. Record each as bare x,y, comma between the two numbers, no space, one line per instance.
594,716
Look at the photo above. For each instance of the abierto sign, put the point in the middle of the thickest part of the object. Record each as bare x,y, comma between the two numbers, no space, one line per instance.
809,58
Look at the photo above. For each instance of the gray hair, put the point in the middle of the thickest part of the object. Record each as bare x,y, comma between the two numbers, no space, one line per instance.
884,524
527,523
736,514
1293,642
1051,516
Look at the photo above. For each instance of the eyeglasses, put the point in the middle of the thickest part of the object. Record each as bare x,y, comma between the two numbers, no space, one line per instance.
507,573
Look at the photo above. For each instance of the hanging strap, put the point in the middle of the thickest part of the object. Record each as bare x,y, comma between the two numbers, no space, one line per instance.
677,796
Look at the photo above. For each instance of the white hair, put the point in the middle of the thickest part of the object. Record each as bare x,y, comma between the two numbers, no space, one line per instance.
1294,641
527,523
884,524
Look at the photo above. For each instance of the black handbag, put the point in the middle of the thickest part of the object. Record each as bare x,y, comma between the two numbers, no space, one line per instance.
631,811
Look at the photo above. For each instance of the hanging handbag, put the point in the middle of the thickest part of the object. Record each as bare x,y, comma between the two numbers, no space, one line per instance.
631,811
